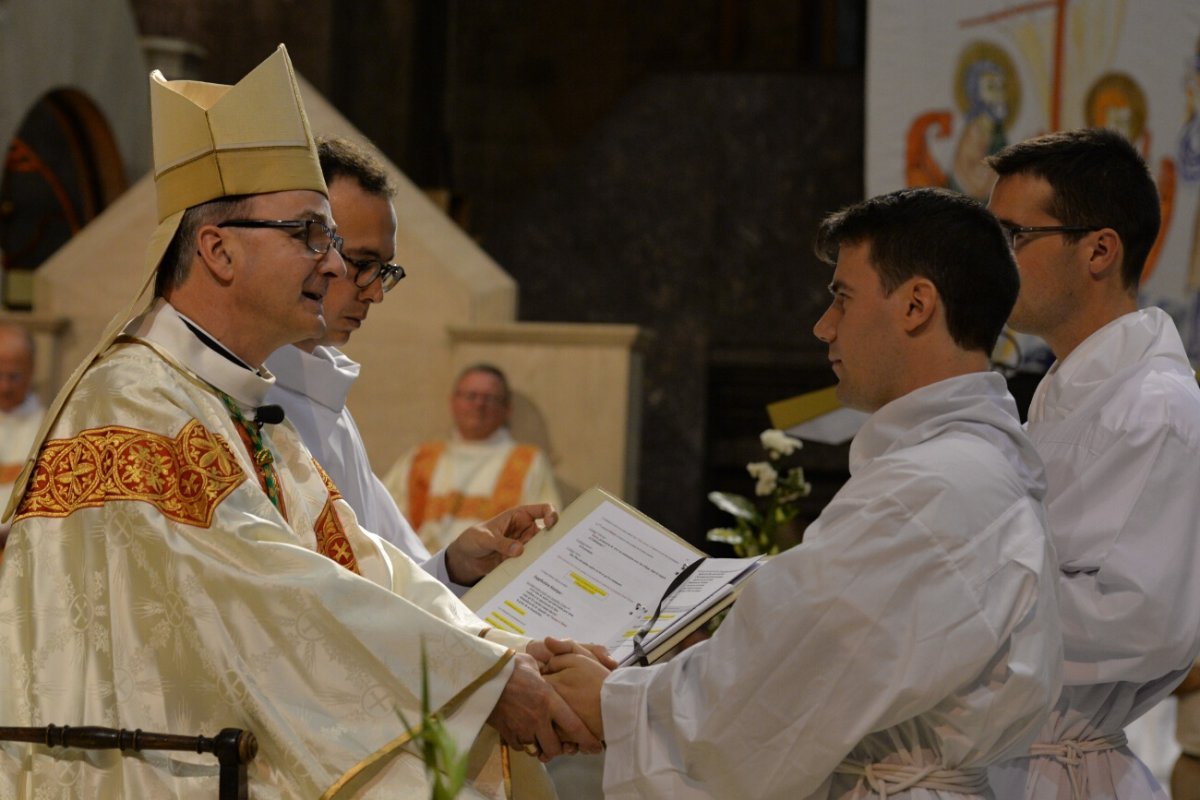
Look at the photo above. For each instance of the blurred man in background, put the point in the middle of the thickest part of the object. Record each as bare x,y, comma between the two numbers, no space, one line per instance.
444,486
20,410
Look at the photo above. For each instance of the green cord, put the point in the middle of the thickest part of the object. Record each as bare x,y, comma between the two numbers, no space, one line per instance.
262,454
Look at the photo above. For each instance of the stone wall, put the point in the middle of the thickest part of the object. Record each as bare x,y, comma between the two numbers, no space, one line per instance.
691,210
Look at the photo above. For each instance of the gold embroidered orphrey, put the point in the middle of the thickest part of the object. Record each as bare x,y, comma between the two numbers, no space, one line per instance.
185,478
331,536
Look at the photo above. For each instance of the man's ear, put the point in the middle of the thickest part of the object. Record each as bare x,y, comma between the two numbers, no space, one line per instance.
1104,251
213,247
920,302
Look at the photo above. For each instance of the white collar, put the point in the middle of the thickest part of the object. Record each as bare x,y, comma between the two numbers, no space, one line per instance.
499,437
30,405
324,376
163,327
1126,343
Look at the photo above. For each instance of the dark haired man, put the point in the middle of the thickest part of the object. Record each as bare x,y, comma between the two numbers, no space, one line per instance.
313,377
912,639
1117,422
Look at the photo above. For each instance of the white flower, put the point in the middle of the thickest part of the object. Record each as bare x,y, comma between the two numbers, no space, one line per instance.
776,441
766,475
724,535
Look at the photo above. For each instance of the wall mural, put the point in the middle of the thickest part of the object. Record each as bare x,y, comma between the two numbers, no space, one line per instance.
951,81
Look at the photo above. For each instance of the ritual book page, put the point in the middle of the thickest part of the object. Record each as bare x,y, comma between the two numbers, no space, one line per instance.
600,575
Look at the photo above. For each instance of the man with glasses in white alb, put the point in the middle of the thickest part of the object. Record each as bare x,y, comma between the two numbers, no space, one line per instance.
313,378
1117,422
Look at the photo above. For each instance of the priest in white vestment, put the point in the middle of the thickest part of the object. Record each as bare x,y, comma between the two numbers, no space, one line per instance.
313,377
443,486
180,564
1117,422
912,639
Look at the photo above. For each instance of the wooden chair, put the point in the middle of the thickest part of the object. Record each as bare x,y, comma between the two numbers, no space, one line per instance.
233,747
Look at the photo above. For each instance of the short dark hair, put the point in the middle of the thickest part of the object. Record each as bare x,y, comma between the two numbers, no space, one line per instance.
940,235
1099,181
343,158
490,369
177,259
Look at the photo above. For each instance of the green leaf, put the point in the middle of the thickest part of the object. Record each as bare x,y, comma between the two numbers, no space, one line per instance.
447,770
734,504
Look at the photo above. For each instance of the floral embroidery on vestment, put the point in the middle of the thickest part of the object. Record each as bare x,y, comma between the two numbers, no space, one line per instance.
185,478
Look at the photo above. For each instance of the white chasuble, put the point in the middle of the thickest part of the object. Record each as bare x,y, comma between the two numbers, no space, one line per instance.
151,582
445,487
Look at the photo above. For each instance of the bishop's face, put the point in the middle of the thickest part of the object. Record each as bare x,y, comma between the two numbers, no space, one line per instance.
279,284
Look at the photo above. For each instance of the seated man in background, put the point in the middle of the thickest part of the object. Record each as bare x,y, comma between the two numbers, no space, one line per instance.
445,486
912,639
20,410
313,377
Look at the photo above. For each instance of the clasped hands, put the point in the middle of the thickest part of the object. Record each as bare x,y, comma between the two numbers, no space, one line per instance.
551,704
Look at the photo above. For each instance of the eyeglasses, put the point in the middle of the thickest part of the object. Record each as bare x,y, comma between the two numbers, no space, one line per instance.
318,237
492,400
367,270
1013,231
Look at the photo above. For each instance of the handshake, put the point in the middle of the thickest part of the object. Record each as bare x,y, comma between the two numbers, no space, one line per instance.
551,703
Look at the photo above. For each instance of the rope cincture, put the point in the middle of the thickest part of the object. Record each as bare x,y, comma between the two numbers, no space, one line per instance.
1070,753
263,459
887,779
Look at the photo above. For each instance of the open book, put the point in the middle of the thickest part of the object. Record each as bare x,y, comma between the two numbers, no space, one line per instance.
607,573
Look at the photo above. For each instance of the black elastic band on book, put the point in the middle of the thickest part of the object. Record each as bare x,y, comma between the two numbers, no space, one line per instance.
640,655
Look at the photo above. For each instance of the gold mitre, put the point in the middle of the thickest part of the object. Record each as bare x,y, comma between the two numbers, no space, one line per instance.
212,141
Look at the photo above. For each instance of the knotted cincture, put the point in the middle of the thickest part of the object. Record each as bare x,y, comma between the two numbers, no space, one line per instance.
1070,753
888,779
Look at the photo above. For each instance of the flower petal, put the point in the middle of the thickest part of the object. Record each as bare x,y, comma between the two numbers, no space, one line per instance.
734,504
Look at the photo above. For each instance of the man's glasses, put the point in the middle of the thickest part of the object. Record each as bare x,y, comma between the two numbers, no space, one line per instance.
490,400
318,237
1013,231
367,270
